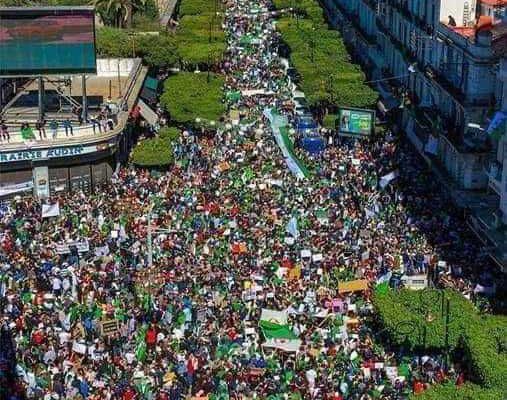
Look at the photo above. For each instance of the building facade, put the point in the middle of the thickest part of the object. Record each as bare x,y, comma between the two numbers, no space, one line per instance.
87,158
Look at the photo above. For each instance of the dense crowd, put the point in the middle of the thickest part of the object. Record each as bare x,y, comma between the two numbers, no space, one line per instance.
154,286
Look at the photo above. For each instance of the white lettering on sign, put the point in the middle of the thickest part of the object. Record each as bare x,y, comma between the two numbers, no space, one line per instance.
29,155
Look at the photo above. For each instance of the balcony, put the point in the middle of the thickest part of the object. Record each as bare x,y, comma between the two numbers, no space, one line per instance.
438,77
128,77
494,173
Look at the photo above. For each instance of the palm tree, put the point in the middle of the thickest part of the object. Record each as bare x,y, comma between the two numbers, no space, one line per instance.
119,11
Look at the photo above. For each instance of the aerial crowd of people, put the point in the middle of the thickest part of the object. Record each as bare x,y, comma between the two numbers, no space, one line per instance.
153,287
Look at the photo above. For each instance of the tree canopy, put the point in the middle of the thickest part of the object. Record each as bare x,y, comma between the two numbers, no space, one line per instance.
188,96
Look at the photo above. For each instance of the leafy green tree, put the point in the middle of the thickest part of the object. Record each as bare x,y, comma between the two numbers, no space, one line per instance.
157,50
119,12
154,152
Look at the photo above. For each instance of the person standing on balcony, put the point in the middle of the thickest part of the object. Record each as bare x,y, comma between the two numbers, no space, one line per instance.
68,126
53,125
40,126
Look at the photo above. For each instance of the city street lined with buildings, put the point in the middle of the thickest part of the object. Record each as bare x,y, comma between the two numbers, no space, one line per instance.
272,259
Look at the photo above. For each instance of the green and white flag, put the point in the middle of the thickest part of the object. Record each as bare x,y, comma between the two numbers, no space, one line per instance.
277,332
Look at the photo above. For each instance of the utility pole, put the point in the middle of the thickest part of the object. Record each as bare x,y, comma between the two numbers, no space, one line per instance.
149,240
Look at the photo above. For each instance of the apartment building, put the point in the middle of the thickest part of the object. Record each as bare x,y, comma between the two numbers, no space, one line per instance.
440,67
440,59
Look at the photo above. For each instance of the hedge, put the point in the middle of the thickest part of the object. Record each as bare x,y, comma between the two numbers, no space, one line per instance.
188,96
403,313
450,391
192,38
328,77
156,50
155,152
193,34
197,7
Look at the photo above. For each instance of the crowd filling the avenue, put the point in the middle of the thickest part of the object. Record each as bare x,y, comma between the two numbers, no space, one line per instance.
220,278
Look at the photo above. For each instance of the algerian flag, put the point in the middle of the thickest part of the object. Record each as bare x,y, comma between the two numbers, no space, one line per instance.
288,345
273,316
322,216
382,288
141,351
278,334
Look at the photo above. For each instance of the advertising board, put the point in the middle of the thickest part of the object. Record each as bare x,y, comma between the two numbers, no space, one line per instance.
47,41
355,122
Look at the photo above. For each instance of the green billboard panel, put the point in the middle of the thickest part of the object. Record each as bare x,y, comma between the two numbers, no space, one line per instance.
355,122
47,41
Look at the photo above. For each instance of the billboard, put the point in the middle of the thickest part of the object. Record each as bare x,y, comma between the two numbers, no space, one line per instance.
47,41
355,122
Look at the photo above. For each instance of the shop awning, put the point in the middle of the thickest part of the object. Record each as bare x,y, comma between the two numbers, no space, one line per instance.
149,92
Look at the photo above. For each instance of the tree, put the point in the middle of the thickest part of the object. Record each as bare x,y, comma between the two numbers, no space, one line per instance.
155,152
188,96
157,51
119,12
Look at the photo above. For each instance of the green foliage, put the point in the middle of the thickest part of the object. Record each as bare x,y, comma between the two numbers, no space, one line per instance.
319,54
169,133
156,50
404,316
197,7
405,313
329,121
188,96
193,38
450,391
112,42
484,342
155,152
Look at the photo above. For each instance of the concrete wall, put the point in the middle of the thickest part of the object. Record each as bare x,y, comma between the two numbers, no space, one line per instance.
458,10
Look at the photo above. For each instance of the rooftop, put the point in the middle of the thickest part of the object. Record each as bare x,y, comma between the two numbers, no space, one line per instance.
117,83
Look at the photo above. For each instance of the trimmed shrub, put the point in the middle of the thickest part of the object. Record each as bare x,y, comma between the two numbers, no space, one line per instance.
188,96
155,152
328,77
450,391
404,315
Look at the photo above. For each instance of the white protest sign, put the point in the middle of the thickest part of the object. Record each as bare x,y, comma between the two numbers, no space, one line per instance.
50,210
64,248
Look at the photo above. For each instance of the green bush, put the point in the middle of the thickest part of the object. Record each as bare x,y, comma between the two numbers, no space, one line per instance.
197,7
450,391
328,77
192,38
169,133
113,42
484,343
155,152
156,50
188,96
